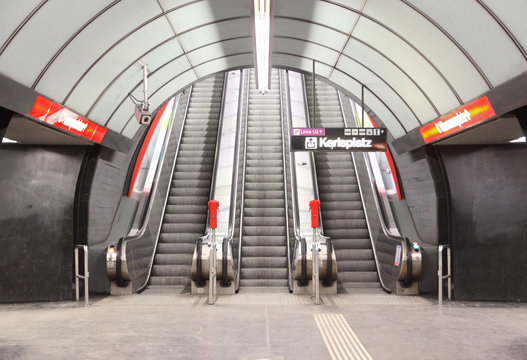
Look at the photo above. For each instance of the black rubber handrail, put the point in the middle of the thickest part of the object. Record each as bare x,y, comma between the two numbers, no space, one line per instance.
200,281
303,276
328,281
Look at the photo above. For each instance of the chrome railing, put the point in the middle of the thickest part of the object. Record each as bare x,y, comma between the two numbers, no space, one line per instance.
85,276
440,276
411,257
247,73
304,185
282,93
226,158
301,241
122,269
172,168
397,239
158,164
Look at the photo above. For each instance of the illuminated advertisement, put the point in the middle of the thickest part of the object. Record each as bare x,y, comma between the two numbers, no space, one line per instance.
54,114
464,117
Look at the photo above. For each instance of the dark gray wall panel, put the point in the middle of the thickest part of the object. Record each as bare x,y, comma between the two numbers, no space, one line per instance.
106,193
37,190
420,196
488,189
107,189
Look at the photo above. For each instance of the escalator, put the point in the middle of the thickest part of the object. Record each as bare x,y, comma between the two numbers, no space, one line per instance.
341,206
186,211
264,242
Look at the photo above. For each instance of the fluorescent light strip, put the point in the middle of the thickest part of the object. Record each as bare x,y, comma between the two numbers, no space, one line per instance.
262,33
8,141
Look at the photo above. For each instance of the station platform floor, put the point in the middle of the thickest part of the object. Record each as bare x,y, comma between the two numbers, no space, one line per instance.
263,324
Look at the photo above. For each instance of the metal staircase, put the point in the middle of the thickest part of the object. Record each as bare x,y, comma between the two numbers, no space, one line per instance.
186,211
342,210
264,248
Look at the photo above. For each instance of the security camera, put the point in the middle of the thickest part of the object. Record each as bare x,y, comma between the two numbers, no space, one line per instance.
144,117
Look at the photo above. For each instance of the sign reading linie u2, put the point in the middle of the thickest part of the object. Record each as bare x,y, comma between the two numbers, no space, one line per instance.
338,139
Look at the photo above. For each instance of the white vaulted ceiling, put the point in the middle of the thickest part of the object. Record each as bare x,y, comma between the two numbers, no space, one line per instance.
417,59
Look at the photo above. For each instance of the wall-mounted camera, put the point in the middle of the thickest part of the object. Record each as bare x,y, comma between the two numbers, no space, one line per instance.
144,117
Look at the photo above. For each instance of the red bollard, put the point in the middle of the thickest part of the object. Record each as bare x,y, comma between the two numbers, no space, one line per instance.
314,206
213,208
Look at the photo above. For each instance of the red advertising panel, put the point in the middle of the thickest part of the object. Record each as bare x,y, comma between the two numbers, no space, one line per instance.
464,117
58,116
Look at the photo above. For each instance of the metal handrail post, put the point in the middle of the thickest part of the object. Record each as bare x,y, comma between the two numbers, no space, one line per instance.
212,269
440,276
315,270
86,275
449,268
76,273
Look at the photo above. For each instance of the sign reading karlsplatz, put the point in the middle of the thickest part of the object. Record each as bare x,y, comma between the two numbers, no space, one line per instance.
338,139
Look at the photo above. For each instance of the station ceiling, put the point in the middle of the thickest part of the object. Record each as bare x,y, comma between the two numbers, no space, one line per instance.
417,59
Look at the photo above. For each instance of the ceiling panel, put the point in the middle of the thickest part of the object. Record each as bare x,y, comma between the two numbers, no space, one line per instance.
310,32
409,60
161,75
403,57
354,88
479,34
42,36
171,4
126,109
131,128
384,114
400,81
219,49
300,63
215,32
96,80
221,64
309,50
191,16
91,43
513,16
429,39
319,12
12,15
371,81
131,77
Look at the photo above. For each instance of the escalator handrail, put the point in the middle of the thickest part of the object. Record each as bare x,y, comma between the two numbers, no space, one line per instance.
373,183
208,231
314,179
155,182
294,199
240,230
282,92
126,240
398,240
234,188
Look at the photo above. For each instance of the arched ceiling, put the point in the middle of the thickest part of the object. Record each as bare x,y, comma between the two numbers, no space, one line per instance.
417,59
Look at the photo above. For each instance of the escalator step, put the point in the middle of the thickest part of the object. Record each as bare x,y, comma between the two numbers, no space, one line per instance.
341,204
186,210
263,282
267,262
